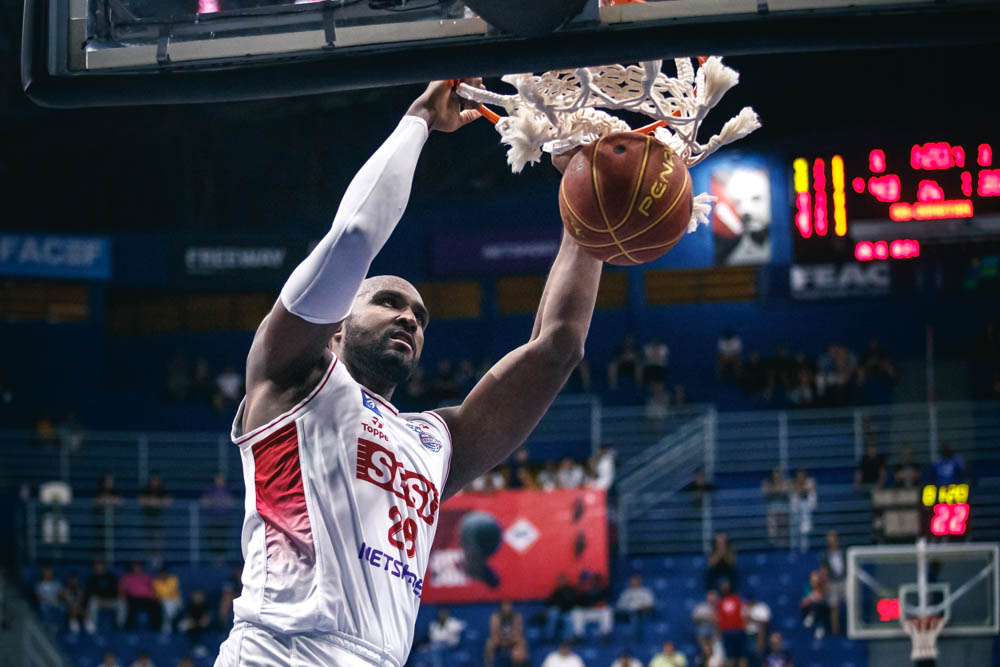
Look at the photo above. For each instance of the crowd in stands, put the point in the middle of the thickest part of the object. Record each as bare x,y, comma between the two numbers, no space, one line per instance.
597,472
876,471
196,382
108,602
730,627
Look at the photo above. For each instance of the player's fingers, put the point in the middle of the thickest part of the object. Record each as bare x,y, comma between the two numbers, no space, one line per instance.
469,115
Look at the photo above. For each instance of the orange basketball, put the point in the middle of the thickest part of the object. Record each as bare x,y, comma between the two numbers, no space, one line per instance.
626,198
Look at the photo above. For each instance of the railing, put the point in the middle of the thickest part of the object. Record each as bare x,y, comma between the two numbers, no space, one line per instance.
741,448
23,642
185,531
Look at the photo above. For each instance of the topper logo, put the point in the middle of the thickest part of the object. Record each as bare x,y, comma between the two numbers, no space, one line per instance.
659,187
378,465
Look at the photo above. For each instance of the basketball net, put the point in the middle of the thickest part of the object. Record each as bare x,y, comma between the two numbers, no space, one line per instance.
557,111
924,631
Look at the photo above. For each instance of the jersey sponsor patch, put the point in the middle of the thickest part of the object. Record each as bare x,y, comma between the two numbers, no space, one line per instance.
430,442
369,403
378,465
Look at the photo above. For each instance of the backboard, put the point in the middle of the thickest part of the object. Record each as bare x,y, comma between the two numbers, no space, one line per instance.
125,52
889,584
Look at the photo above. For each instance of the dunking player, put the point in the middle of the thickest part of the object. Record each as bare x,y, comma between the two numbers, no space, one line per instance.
342,490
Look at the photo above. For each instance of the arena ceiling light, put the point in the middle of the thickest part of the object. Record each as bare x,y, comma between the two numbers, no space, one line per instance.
78,53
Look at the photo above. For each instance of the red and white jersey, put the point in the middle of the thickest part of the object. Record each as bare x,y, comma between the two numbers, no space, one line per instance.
341,510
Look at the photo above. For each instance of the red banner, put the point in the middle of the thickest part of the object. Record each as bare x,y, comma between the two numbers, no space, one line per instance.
513,544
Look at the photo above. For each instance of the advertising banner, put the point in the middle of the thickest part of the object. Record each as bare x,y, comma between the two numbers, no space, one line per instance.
514,544
257,263
832,281
55,256
495,250
741,217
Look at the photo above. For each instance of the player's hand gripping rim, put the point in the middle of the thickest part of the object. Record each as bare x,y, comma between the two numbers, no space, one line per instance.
442,108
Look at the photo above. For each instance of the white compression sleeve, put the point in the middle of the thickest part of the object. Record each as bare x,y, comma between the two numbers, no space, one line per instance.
322,288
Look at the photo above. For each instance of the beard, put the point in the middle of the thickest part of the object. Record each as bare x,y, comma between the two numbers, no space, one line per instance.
376,355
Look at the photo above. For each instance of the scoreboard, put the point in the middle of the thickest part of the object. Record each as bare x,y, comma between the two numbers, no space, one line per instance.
948,509
893,202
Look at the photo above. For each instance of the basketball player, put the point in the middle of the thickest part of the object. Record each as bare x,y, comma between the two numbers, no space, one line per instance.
343,491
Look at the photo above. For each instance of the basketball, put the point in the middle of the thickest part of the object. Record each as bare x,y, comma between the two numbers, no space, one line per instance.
626,198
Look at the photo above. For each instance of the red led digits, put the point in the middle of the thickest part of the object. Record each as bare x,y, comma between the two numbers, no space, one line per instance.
802,214
866,251
932,156
929,191
876,161
885,188
888,609
989,183
958,154
984,155
950,519
819,184
966,184
858,184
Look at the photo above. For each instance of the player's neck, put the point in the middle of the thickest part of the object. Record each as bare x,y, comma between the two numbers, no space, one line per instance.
370,381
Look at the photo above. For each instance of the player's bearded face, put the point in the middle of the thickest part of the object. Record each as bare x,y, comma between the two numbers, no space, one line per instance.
374,349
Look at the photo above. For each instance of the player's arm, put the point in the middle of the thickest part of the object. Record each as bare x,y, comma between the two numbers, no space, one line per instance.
292,340
505,406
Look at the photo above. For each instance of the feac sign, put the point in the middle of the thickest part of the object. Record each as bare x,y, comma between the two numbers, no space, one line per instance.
823,281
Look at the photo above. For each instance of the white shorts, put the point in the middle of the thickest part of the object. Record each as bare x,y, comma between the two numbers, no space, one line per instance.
251,645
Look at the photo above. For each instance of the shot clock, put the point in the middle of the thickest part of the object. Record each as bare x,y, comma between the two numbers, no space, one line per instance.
948,509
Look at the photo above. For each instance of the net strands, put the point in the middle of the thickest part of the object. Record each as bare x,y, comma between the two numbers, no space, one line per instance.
557,111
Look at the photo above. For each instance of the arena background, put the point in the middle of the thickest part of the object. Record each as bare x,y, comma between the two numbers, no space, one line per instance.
139,248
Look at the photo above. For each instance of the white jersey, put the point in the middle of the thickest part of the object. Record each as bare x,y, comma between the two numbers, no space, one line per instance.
341,510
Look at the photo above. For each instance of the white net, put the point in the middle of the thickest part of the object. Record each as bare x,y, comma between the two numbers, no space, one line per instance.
558,110
923,632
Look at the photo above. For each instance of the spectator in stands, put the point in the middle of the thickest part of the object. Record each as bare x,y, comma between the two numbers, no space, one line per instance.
45,431
228,388
519,656
563,657
948,469
135,589
178,382
73,599
571,474
876,375
776,655
517,462
101,594
775,490
907,474
626,660
109,660
202,385
815,608
754,379
506,632
488,482
721,562
558,607
47,595
168,592
657,407
802,502
217,503
732,625
143,660
593,605
781,367
636,602
699,488
802,395
706,621
625,364
603,463
871,468
837,368
668,657
196,620
224,619
444,384
153,500
655,358
729,355
835,563
758,619
185,662
445,634
548,476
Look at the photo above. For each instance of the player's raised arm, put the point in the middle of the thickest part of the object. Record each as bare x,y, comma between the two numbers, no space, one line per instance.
291,343
505,406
